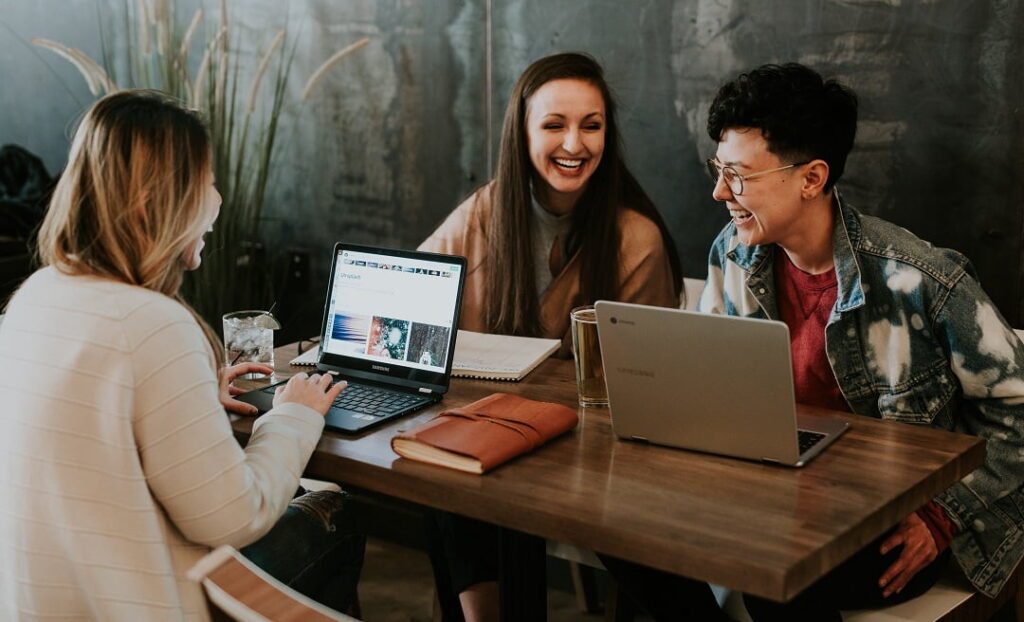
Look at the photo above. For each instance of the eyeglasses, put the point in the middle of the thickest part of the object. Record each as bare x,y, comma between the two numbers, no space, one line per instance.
733,179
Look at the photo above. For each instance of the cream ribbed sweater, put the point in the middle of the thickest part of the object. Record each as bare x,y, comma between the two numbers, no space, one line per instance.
118,468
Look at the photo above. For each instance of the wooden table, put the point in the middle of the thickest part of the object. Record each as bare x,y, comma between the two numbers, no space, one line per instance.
765,530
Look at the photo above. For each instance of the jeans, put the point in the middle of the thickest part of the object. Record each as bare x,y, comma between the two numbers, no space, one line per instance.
315,548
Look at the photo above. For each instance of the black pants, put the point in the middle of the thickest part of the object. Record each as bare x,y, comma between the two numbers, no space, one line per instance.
463,552
852,585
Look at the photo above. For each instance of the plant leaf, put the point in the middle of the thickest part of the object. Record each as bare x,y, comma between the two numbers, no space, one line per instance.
204,69
330,62
276,43
144,22
186,41
95,77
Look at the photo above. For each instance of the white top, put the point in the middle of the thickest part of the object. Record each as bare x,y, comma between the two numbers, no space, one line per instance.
118,468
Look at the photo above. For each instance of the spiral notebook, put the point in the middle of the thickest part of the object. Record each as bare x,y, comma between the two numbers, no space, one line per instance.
483,356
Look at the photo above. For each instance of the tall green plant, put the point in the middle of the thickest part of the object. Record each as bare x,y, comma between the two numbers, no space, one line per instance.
243,128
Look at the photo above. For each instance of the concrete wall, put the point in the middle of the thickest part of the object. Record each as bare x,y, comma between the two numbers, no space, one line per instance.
404,129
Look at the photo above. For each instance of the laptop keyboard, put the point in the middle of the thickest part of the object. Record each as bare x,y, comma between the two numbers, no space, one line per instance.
374,402
377,402
808,439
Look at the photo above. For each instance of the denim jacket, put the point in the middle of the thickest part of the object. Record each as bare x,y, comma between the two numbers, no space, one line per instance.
913,338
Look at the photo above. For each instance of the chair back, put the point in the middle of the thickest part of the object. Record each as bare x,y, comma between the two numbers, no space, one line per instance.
237,589
691,293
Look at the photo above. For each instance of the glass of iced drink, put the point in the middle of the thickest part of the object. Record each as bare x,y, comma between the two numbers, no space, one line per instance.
249,337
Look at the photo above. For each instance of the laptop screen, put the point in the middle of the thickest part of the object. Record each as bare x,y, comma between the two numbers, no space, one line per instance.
392,313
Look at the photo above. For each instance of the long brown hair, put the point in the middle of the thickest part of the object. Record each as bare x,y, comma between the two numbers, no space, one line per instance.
513,304
130,201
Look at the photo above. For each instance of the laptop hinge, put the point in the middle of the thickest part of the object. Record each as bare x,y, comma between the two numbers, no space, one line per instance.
425,390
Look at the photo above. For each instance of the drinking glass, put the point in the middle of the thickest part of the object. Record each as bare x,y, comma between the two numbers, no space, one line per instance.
586,351
249,338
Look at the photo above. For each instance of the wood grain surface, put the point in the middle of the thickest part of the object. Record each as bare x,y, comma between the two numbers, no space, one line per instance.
763,529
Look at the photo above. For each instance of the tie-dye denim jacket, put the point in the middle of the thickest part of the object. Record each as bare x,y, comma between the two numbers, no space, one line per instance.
913,338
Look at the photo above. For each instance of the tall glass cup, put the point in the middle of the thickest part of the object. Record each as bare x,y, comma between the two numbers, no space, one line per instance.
249,338
586,351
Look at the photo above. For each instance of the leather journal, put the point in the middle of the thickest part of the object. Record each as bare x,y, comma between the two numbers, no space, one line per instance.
480,436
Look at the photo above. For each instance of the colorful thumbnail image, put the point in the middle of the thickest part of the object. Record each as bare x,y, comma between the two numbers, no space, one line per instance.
348,333
428,344
388,338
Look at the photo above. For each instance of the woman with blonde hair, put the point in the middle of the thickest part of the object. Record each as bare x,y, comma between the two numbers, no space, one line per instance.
118,466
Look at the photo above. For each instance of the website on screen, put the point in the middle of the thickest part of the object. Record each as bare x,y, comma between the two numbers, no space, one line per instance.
391,308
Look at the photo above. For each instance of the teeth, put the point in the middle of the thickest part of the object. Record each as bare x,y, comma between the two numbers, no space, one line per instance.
739,215
569,163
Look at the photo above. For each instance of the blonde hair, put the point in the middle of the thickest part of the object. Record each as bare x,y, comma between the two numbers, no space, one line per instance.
130,201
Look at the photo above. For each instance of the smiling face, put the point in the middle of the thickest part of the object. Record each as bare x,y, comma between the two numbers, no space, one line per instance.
771,206
565,129
211,209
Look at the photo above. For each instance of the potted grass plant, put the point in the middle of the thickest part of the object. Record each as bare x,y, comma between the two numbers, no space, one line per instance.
242,105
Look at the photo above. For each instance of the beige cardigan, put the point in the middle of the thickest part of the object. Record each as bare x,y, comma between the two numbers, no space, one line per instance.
645,274
118,467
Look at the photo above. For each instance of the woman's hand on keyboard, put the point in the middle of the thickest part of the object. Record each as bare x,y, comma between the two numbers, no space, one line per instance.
314,391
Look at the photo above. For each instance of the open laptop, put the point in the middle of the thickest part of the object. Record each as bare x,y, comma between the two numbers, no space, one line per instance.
389,329
715,383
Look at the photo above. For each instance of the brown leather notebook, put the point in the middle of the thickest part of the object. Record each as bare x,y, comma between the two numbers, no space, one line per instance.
479,436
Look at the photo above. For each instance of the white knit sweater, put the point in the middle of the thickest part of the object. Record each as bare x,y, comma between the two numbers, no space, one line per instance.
118,468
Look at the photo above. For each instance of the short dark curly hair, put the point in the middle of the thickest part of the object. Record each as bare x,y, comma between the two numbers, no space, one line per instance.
801,116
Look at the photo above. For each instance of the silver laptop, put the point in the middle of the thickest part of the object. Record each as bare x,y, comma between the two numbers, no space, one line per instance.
713,383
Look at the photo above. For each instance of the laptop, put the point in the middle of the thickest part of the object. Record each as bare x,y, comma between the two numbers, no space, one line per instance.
389,329
713,383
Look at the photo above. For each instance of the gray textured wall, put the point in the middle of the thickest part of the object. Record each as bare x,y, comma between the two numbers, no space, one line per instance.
407,127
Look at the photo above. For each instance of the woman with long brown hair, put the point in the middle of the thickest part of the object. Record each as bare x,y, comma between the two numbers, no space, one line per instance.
563,224
118,467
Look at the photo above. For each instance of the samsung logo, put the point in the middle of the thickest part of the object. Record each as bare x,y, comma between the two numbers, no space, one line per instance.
646,373
380,368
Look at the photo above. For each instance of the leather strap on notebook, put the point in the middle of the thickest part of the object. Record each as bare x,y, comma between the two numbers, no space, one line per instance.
530,433
491,431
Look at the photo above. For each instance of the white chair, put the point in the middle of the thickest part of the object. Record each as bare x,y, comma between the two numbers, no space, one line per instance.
691,293
582,566
237,589
952,599
316,484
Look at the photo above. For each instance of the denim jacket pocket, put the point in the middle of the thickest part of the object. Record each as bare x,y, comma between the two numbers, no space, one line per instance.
925,399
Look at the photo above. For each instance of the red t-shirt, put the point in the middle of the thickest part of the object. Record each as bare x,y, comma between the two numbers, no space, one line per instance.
805,302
